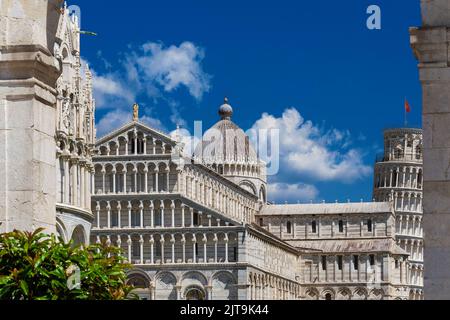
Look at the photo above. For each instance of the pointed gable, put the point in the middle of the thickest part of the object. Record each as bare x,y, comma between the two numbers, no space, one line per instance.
138,127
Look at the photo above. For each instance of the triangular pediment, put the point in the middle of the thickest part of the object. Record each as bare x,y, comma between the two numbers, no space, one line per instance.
139,127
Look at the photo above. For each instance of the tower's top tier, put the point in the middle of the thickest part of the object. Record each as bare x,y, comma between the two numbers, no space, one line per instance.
404,144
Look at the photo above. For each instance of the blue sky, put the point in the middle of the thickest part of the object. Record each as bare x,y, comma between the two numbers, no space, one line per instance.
310,68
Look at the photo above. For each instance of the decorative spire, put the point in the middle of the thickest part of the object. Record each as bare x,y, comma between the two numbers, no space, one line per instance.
177,134
135,112
225,110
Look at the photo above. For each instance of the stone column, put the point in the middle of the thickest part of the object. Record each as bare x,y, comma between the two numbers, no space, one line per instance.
152,248
152,214
97,208
194,254
162,213
66,180
226,248
103,181
146,179
108,208
28,75
430,44
125,180
168,180
141,214
75,182
129,214
208,292
183,221
129,242
172,208
172,242
135,171
114,179
119,242
88,191
119,215
215,247
183,243
141,251
205,242
156,180
162,241
81,188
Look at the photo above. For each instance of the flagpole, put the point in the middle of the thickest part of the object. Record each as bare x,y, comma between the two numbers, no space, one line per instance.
406,114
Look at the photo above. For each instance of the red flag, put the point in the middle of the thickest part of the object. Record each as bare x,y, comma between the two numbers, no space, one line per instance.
407,106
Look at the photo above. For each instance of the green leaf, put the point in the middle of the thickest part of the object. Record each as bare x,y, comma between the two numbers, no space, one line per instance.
24,287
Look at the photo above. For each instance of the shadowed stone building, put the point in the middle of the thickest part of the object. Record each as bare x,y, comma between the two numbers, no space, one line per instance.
47,131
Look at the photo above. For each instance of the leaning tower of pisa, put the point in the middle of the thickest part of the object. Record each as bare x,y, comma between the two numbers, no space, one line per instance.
399,177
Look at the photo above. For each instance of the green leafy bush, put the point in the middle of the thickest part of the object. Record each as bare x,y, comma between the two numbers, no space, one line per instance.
35,266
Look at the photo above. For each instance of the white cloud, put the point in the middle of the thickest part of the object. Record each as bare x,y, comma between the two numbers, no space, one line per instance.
151,72
280,192
306,151
173,67
109,92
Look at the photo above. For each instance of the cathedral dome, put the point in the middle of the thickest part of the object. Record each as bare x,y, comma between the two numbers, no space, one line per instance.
225,142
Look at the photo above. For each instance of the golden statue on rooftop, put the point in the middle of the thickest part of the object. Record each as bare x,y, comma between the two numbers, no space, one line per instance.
135,112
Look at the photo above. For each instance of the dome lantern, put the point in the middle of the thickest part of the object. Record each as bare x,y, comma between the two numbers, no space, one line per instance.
225,110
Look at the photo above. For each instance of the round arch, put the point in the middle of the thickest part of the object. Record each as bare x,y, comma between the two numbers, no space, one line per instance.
61,231
165,286
224,287
262,194
78,236
249,186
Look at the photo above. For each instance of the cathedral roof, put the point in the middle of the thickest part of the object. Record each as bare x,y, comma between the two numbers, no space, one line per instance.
225,142
351,245
327,208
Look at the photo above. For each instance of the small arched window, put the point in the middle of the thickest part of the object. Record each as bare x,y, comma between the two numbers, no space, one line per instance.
419,179
398,153
140,146
394,178
324,263
289,227
418,152
314,227
369,225
328,296
196,219
341,226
